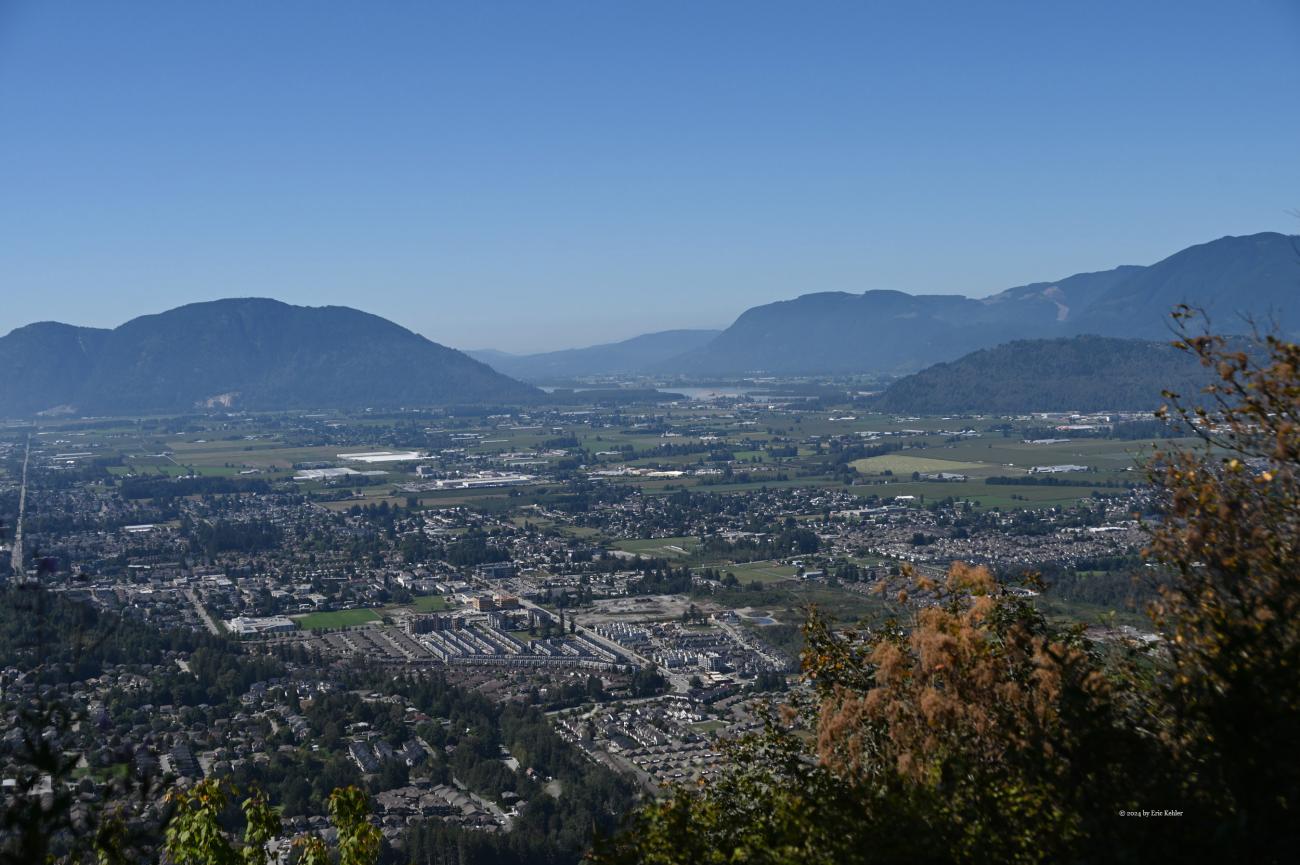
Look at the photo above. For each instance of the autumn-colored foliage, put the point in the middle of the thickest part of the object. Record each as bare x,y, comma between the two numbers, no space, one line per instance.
971,732
970,729
1231,532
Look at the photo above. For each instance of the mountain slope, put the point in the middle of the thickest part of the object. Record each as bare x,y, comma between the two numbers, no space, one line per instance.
889,331
45,365
838,332
1084,373
246,353
635,355
1258,275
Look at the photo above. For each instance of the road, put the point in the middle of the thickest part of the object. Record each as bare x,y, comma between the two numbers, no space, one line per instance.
18,560
737,633
203,613
491,807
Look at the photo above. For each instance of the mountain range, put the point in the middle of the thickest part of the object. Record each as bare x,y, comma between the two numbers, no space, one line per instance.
889,331
261,354
894,332
245,353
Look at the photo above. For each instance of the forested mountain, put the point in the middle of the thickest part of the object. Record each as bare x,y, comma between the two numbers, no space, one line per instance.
1084,373
1257,275
890,331
247,353
835,332
635,355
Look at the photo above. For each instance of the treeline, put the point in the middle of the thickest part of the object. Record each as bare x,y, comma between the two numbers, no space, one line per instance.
162,487
1053,481
789,541
475,548
1115,582
659,578
222,536
1128,430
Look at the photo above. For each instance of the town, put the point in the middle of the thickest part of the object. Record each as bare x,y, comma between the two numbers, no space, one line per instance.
633,573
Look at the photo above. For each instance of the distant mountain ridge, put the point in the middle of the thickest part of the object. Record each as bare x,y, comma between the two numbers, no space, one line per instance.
890,331
1083,373
630,356
245,353
263,354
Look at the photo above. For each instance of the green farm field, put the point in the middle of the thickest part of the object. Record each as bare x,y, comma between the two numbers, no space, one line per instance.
1102,454
253,454
905,464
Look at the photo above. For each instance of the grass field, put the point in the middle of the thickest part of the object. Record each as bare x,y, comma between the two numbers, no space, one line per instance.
902,464
763,572
788,603
429,603
667,548
709,726
336,619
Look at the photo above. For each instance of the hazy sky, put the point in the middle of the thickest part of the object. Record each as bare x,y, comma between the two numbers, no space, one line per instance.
539,175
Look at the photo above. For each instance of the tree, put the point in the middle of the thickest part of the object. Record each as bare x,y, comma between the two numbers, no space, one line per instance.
194,834
973,734
971,729
1231,615
359,840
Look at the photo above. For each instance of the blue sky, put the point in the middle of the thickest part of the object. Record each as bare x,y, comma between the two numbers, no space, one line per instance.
531,175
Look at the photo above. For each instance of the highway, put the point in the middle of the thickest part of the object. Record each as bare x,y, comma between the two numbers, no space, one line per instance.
18,562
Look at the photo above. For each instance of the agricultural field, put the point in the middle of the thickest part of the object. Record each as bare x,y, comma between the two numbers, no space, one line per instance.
662,437
260,454
905,464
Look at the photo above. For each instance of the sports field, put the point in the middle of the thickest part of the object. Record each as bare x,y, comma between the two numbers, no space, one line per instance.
666,548
430,603
336,619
